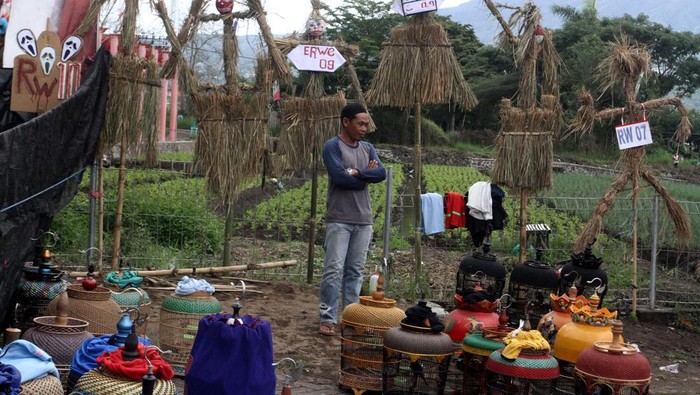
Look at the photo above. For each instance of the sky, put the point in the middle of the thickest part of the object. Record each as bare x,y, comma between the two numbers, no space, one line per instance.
283,16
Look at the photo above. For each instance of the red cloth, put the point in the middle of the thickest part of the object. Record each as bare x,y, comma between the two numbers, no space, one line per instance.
455,211
137,368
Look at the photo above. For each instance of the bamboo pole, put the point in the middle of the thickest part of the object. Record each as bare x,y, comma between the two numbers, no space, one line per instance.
191,271
523,225
100,213
417,193
120,203
635,221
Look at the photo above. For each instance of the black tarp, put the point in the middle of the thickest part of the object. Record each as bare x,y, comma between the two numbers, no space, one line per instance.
42,161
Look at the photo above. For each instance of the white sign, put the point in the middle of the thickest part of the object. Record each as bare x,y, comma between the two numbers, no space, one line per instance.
633,135
316,58
412,7
32,15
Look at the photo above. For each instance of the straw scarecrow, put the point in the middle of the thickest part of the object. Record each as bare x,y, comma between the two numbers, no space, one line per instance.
310,120
418,66
626,65
233,119
133,89
524,144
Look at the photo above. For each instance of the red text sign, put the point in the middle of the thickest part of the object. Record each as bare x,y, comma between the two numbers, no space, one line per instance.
316,58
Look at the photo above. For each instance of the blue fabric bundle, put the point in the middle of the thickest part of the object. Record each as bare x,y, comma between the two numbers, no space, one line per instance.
31,361
10,380
85,357
231,359
188,286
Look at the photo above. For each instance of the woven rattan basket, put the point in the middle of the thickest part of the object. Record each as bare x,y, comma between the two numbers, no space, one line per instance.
102,382
59,341
96,307
178,323
47,385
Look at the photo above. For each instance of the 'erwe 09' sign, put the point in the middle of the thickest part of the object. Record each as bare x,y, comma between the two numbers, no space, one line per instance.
633,135
316,58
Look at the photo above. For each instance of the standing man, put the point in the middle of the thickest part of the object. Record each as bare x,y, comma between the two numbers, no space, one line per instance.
352,164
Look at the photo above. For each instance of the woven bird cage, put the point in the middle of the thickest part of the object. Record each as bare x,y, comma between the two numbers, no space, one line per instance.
38,286
581,270
530,285
560,314
362,331
476,349
47,385
483,269
416,360
95,306
588,325
612,368
178,323
532,372
101,381
475,311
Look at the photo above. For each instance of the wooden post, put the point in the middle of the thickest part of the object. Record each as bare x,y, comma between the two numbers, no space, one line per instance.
635,218
120,204
312,214
523,226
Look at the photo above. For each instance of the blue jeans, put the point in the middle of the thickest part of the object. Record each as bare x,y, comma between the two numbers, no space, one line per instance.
346,252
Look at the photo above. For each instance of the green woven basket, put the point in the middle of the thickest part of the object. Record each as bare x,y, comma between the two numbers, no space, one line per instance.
131,297
192,304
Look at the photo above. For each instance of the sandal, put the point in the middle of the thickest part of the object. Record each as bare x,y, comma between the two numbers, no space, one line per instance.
327,329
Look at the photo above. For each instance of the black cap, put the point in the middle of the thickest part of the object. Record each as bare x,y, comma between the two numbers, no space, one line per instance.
352,109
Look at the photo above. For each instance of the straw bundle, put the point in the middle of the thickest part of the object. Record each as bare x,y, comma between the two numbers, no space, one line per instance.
306,124
524,145
594,225
626,63
187,78
679,217
126,83
149,115
231,140
278,62
90,17
418,66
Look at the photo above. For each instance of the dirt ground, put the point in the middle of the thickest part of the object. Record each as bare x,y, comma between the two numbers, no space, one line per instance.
292,311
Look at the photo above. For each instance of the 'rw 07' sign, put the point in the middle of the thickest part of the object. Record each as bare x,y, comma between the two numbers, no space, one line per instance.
316,58
633,135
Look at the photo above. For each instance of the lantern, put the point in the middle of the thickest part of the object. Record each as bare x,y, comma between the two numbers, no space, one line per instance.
524,366
484,269
612,368
179,319
588,325
530,285
224,6
315,27
363,327
417,355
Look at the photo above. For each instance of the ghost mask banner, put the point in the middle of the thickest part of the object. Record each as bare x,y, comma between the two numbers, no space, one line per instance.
44,74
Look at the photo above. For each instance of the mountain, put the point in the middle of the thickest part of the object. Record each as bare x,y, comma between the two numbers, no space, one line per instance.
680,15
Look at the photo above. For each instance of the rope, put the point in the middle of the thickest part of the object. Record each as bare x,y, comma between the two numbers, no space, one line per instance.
10,207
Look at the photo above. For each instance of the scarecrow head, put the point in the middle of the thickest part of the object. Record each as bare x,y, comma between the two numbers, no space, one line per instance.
224,6
315,27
